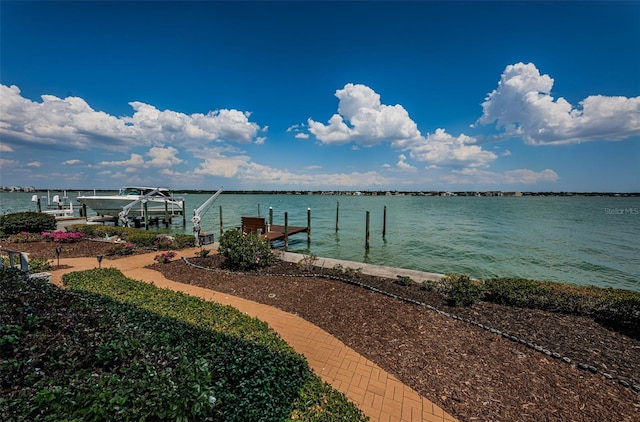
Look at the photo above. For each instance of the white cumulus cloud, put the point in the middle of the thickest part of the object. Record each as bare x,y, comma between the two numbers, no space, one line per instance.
369,121
441,148
522,106
70,123
364,120
163,157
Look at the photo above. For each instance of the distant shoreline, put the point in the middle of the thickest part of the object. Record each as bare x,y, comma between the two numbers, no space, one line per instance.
355,193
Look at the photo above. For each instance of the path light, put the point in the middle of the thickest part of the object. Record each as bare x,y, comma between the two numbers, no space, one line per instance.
99,261
58,250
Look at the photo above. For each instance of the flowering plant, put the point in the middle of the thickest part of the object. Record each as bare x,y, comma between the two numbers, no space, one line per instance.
164,257
120,249
63,237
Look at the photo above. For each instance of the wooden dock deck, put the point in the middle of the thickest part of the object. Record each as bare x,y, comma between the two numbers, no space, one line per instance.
272,232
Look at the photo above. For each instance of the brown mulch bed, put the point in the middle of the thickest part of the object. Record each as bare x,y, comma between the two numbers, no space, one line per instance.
471,372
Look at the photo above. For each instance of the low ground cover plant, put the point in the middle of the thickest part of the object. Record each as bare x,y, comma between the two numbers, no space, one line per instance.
169,357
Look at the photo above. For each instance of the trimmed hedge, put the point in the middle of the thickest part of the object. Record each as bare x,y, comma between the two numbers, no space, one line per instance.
28,221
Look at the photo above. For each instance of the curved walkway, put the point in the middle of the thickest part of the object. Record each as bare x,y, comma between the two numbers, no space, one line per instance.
380,395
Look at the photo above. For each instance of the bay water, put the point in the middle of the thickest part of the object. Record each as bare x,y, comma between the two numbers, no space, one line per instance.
583,240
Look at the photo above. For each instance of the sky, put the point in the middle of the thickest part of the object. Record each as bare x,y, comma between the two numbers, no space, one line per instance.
369,96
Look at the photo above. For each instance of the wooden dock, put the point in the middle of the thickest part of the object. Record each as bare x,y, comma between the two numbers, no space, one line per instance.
271,232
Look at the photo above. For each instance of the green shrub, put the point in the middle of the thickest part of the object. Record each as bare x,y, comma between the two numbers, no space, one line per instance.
28,221
461,290
307,262
141,238
184,241
25,237
38,265
120,249
203,253
614,307
163,242
404,280
245,251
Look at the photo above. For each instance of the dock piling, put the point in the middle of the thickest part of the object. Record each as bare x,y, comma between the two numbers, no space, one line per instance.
366,242
286,230
384,222
271,216
146,214
221,229
337,214
308,226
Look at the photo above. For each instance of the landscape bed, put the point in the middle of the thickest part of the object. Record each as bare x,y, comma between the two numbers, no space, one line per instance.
471,372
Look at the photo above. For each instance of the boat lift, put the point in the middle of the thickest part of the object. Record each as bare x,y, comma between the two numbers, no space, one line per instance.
123,215
197,215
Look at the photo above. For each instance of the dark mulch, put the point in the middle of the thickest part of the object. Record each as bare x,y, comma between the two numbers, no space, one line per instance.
471,372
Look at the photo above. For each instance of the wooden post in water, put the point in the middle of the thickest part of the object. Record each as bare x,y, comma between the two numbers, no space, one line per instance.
384,222
166,214
84,210
184,215
39,205
337,213
270,216
286,230
258,209
146,215
221,229
366,241
308,226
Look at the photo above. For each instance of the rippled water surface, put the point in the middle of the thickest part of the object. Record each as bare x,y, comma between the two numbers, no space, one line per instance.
583,240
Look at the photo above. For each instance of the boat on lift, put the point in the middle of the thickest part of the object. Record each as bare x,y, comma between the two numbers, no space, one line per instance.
156,200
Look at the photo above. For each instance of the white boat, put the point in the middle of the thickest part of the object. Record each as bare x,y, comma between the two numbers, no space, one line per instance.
157,201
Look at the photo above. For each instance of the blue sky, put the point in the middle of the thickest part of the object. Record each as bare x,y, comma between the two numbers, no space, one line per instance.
528,96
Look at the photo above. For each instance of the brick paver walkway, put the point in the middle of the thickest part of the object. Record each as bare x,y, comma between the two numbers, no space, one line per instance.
380,395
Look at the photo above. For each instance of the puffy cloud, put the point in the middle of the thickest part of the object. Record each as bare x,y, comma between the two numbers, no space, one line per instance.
160,157
163,157
170,126
70,123
402,163
217,162
34,164
522,106
441,148
5,148
370,121
71,162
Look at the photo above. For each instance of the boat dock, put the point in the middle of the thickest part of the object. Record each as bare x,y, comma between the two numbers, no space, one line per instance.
272,231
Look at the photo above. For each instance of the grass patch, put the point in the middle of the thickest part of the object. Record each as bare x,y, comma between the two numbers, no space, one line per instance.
110,348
